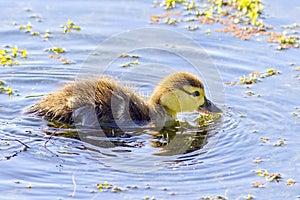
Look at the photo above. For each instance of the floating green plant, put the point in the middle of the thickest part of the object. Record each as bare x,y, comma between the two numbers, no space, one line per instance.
45,36
131,63
270,177
8,90
248,80
207,119
106,186
253,77
70,26
247,10
288,41
251,8
56,50
270,72
29,26
169,4
35,33
241,18
22,27
8,55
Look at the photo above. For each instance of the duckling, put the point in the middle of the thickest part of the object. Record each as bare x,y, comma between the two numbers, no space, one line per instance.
178,92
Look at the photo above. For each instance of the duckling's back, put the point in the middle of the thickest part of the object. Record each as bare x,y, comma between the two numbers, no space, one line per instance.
111,102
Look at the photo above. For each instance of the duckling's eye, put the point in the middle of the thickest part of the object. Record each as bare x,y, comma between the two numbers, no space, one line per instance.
196,93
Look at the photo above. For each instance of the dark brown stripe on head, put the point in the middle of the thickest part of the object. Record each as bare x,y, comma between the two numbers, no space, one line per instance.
175,81
180,79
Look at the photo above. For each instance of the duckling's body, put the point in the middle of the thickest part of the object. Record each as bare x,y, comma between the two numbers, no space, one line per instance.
179,92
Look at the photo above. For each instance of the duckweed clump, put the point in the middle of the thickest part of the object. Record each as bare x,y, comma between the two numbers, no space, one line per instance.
271,177
107,186
8,56
7,89
271,72
104,185
131,63
207,119
248,80
47,34
246,11
289,41
56,50
253,77
251,8
241,18
70,26
28,29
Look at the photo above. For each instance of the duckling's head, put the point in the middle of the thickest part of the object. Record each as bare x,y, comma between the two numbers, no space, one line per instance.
182,92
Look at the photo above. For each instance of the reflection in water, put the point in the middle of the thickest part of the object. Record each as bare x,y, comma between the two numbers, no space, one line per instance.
174,141
177,139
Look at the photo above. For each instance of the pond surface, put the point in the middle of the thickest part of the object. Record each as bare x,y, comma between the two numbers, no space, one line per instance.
258,131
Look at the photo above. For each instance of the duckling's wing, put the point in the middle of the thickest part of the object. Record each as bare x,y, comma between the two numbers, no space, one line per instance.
85,117
128,107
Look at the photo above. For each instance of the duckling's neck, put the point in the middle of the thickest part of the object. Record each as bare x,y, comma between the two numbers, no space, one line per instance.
162,101
161,116
161,113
